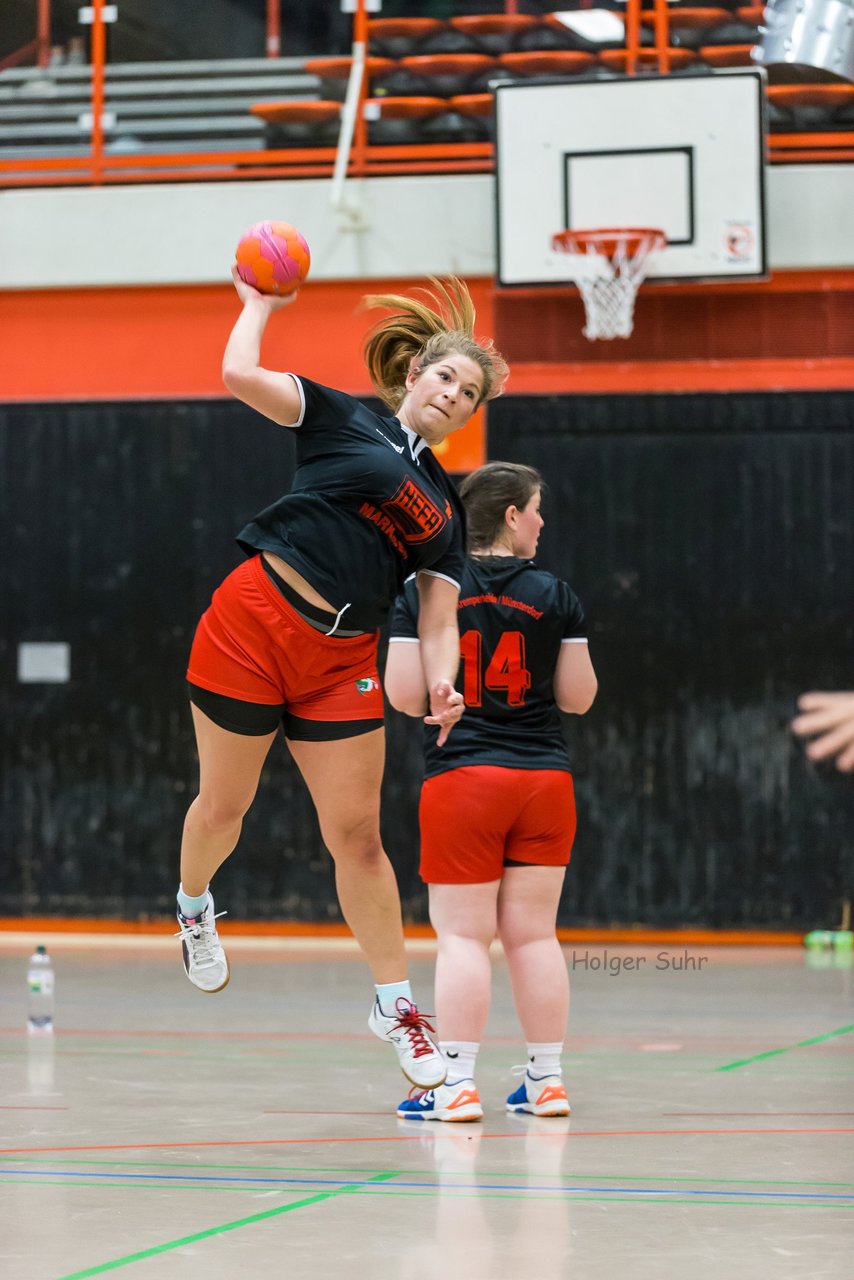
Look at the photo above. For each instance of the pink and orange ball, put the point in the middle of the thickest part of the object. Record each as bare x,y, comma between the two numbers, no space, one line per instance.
273,257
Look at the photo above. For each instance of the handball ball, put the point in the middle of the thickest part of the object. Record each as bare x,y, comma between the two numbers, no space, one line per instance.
273,257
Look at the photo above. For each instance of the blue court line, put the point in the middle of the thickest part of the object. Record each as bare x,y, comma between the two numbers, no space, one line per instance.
430,1186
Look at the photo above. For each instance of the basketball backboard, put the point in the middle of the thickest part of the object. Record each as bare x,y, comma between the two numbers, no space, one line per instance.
681,152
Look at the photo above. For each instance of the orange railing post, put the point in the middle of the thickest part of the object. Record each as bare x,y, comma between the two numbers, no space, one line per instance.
632,35
43,34
274,28
99,54
360,132
661,26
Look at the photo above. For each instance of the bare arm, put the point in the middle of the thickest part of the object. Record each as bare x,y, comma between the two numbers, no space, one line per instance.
276,395
404,681
575,682
831,716
439,635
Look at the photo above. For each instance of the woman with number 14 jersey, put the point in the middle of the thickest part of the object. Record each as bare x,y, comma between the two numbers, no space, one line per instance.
497,810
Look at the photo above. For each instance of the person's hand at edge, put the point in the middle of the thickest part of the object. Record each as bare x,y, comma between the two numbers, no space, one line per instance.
830,716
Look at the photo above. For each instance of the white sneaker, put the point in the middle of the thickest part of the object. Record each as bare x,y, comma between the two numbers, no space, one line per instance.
205,962
420,1060
458,1101
543,1097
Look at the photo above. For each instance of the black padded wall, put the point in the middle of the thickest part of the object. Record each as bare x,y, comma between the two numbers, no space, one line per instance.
709,537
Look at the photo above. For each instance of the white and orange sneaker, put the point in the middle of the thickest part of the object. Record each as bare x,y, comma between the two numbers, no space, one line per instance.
543,1097
454,1102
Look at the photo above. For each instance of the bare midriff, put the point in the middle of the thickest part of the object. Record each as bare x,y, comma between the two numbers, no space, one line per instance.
297,581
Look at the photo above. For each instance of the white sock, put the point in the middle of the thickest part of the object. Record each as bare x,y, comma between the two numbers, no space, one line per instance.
544,1060
460,1056
388,994
189,905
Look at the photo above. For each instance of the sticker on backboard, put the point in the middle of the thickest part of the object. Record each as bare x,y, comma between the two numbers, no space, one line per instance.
739,241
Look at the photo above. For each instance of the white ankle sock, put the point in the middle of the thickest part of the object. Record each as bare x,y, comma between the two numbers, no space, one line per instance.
189,905
460,1056
388,993
544,1060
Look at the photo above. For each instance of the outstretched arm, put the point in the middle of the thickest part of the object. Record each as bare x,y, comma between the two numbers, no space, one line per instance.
276,395
439,635
831,717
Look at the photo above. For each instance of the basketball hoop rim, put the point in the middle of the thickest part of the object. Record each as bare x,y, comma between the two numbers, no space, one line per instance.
606,240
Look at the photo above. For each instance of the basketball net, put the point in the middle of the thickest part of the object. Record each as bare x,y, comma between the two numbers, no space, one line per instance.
608,265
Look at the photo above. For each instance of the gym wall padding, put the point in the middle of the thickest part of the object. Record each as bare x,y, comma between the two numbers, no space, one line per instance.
710,537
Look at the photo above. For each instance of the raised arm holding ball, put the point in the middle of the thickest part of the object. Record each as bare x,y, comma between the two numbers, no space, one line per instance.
290,637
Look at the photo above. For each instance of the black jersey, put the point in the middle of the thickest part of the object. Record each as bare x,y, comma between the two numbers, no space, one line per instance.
369,506
513,620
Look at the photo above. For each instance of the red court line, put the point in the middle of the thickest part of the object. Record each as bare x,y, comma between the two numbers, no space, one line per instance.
728,1114
414,1137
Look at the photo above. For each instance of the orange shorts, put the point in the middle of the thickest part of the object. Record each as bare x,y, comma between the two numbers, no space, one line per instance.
253,646
479,819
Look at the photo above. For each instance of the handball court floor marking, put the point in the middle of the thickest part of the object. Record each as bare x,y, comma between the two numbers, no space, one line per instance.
711,1127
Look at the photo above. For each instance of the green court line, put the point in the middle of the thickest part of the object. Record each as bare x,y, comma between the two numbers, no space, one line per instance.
205,1235
802,1044
398,1173
435,1194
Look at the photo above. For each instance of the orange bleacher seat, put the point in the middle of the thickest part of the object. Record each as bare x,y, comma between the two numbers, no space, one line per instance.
444,75
333,73
473,104
726,55
548,62
809,106
400,37
494,33
647,59
401,120
312,123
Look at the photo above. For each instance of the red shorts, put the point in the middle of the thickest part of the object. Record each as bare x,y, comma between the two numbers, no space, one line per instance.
478,819
253,646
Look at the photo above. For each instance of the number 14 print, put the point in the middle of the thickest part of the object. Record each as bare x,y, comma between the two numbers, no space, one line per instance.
506,671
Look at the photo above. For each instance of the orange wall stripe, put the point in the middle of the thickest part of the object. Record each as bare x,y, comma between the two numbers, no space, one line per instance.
626,936
163,343
108,343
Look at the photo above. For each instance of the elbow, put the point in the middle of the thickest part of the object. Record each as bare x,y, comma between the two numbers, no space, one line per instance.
408,704
579,701
405,698
234,379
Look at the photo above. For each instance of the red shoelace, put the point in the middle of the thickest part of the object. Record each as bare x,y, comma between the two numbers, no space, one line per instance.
414,1025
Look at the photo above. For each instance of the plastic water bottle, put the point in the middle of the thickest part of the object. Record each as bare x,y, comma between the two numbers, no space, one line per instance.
40,986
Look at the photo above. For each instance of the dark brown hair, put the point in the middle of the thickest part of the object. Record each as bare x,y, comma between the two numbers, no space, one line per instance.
430,330
488,492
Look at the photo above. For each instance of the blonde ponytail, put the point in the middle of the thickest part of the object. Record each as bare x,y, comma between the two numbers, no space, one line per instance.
430,331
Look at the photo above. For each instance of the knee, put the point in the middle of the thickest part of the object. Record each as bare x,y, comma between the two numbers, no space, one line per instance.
358,844
213,813
515,935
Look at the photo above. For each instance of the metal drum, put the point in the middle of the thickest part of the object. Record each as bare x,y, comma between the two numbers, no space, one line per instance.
813,33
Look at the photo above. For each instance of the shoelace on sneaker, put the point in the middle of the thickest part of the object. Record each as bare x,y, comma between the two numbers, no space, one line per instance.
414,1025
200,932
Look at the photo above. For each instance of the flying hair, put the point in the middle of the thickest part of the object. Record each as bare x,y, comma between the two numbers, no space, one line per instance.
429,330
